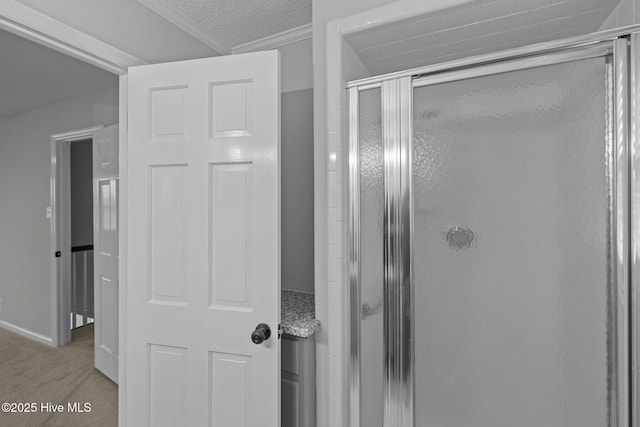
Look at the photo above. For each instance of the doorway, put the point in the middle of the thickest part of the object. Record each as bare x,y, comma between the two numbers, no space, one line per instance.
490,232
81,198
69,302
103,205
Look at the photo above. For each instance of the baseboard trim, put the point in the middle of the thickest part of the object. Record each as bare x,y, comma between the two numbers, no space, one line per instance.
26,333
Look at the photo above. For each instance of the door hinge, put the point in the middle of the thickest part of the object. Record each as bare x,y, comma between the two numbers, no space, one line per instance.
280,330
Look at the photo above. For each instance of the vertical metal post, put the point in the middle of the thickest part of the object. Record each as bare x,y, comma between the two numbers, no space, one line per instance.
354,260
620,295
634,223
396,130
391,144
405,350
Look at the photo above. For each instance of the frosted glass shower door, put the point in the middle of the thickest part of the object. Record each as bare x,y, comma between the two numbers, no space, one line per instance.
512,248
368,316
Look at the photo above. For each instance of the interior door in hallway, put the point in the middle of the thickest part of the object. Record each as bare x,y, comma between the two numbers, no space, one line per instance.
105,236
203,263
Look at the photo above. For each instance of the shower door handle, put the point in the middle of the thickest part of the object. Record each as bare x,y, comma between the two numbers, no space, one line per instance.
261,333
372,309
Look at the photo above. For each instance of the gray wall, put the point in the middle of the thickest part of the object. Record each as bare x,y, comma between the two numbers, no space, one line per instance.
81,193
297,248
297,190
25,168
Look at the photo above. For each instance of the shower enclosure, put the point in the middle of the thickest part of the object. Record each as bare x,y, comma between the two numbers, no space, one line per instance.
492,214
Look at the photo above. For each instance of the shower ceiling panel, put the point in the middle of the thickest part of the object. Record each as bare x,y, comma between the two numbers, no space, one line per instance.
476,28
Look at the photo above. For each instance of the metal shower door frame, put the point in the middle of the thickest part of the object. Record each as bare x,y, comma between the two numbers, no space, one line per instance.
623,146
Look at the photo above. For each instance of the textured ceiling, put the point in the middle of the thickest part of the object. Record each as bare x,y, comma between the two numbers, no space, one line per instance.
480,27
32,75
235,22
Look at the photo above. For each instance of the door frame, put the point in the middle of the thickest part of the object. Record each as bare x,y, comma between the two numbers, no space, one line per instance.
396,103
30,24
60,185
332,171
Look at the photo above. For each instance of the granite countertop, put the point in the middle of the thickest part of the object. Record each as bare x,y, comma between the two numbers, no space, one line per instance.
298,313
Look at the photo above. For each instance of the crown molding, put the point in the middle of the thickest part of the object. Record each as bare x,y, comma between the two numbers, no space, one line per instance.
30,24
187,25
276,40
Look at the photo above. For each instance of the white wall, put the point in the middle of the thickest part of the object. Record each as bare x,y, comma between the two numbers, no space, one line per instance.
25,158
626,13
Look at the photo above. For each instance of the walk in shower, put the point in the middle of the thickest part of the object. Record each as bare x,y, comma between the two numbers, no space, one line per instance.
492,221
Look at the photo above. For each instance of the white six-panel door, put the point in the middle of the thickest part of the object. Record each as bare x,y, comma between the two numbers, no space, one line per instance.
203,263
105,237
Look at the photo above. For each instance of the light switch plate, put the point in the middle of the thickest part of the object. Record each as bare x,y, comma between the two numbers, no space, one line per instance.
48,214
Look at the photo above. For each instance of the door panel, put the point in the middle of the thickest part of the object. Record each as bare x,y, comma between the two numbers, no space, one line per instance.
167,225
105,178
511,252
229,240
167,383
204,246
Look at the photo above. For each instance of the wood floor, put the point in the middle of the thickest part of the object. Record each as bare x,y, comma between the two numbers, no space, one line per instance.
31,372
